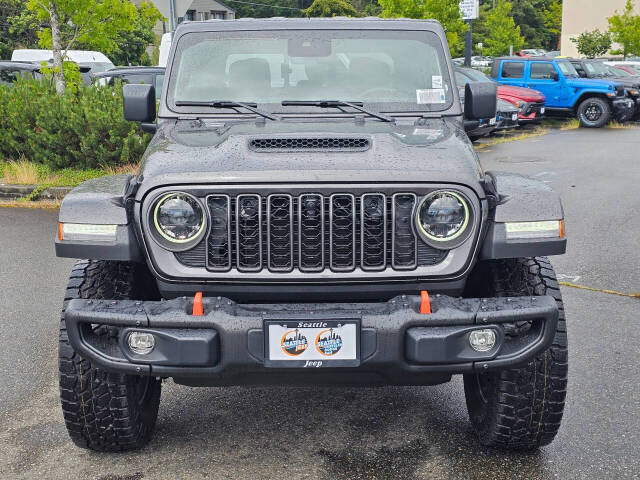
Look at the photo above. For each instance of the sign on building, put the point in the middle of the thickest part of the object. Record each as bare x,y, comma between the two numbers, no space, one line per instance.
469,9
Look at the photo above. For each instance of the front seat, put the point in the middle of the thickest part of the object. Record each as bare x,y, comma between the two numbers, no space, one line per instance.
249,78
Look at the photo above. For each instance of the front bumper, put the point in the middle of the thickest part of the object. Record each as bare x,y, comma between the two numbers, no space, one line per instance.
623,108
398,345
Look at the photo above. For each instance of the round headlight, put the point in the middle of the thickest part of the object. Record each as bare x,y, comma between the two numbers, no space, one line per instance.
179,219
442,219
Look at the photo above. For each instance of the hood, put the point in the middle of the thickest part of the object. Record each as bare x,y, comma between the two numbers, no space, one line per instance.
209,152
600,83
528,95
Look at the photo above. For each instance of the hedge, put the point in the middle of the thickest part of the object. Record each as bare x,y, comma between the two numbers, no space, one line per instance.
82,129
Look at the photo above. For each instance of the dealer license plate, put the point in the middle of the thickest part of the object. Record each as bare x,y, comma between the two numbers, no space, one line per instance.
514,117
542,111
312,344
493,121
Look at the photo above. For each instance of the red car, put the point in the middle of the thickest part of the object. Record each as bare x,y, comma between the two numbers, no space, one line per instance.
530,102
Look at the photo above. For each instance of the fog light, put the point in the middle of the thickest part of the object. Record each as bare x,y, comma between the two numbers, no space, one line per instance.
482,340
141,343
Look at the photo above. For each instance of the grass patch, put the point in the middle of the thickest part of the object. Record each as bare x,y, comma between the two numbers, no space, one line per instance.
23,172
24,203
512,136
570,124
615,125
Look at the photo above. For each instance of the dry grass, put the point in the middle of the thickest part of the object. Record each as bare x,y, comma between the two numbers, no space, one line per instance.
615,125
21,172
130,169
571,124
23,203
512,137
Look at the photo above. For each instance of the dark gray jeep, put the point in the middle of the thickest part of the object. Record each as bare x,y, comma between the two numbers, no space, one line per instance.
310,211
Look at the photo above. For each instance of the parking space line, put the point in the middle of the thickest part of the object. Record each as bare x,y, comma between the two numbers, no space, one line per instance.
601,290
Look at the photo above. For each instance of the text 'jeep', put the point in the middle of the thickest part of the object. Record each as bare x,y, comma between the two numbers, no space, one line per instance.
311,211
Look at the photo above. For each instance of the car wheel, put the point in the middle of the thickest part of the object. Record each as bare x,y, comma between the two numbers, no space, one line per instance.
594,112
520,408
105,411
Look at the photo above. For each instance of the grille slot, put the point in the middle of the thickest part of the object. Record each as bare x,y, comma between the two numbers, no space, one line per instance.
311,232
342,232
302,144
280,233
373,231
249,233
219,240
404,244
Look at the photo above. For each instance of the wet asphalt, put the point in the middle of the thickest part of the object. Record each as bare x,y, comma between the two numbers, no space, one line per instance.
358,433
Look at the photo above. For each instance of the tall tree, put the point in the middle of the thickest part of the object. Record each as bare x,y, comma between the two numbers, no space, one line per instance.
502,29
18,28
625,30
131,45
331,8
593,44
553,21
94,23
447,12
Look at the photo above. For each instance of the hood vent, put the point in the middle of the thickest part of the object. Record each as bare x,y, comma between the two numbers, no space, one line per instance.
297,144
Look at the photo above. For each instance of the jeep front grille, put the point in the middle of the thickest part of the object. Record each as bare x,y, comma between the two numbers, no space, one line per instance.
311,232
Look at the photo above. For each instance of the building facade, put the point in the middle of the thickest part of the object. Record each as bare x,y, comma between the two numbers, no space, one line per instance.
579,16
190,10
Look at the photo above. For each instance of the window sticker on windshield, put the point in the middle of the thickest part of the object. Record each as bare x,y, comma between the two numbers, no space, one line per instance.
430,95
436,81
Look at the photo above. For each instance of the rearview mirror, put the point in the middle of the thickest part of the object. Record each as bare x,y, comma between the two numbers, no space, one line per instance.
480,100
139,103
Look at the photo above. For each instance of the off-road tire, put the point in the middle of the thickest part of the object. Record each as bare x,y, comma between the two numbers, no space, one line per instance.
520,408
598,103
105,411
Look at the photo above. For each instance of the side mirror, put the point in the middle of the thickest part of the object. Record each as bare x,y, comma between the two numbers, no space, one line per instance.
480,100
139,103
555,77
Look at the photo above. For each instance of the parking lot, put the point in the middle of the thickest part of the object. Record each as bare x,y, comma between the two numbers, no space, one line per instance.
369,433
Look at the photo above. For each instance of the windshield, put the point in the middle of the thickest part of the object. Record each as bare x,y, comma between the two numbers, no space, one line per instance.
476,76
618,72
567,69
388,70
597,69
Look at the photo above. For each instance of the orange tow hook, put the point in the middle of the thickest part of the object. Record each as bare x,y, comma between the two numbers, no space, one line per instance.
425,302
198,310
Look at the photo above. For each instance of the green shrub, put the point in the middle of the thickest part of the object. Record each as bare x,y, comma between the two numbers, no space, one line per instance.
81,129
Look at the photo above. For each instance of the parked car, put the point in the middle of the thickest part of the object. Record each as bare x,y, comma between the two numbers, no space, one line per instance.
507,115
10,71
630,66
553,54
95,61
339,246
481,62
597,69
476,127
593,101
138,75
529,102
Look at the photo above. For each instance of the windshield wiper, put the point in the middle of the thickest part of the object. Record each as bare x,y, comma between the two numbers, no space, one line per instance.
336,104
252,107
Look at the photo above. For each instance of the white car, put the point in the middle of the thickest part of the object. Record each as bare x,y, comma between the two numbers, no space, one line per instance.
98,61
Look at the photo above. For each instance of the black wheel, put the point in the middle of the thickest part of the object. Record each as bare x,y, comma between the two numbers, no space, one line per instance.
520,408
594,112
105,411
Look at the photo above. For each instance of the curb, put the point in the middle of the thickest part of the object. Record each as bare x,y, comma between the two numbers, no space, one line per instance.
8,191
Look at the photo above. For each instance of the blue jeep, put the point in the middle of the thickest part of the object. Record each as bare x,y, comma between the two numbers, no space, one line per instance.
593,101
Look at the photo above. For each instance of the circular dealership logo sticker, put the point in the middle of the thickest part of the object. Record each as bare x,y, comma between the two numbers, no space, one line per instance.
328,342
293,343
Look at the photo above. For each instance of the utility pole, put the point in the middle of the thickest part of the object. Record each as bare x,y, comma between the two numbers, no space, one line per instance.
468,44
172,16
